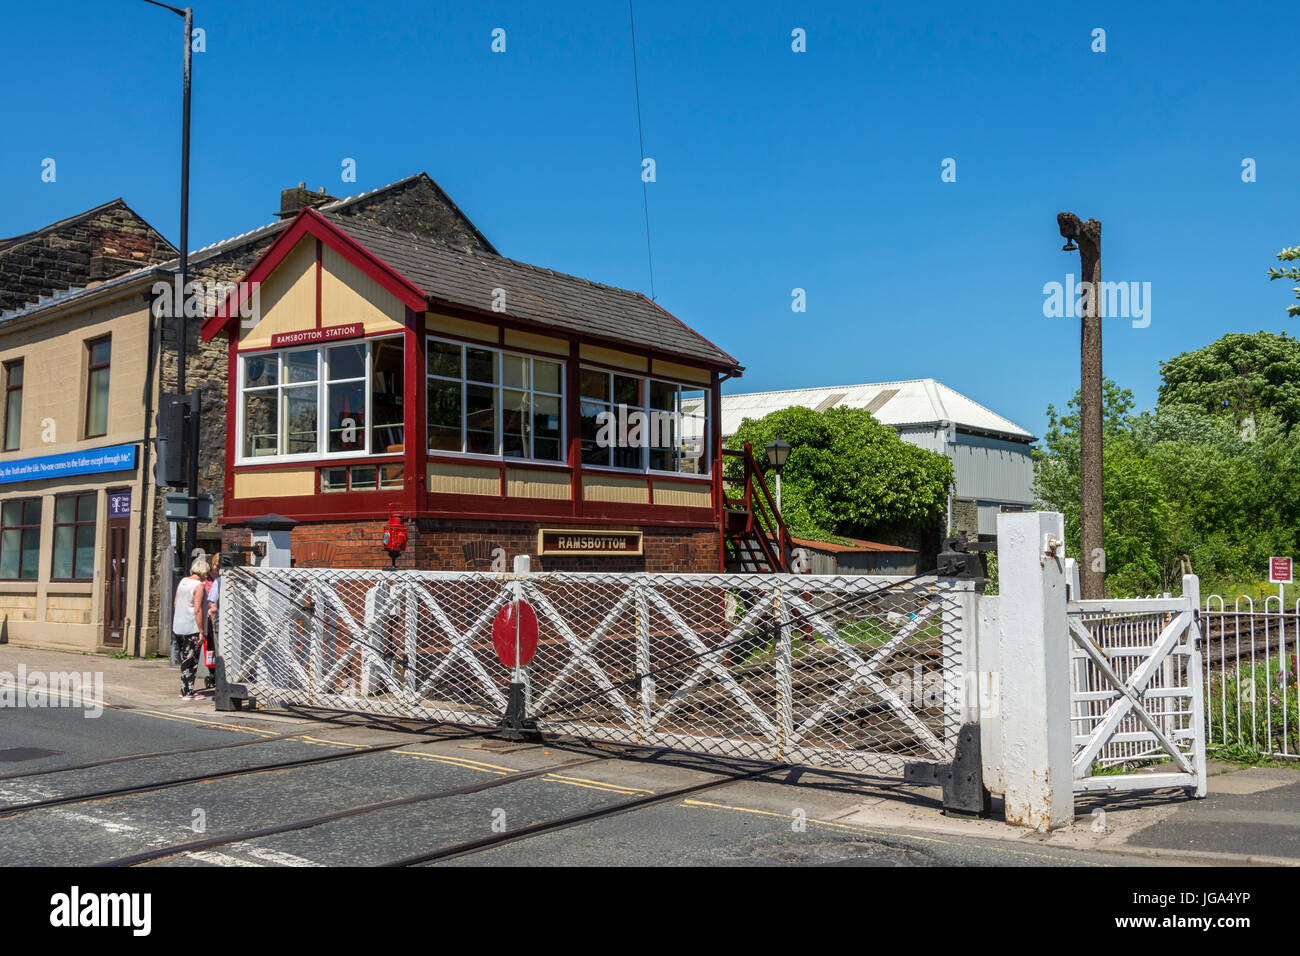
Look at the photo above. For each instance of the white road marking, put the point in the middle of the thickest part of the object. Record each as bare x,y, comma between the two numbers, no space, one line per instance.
278,857
25,793
219,859
115,827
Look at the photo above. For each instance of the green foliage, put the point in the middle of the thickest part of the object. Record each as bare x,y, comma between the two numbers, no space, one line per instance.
1238,376
1256,711
847,474
1287,255
1180,480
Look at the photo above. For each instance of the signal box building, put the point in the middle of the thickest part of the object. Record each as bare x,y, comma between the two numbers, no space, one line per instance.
484,399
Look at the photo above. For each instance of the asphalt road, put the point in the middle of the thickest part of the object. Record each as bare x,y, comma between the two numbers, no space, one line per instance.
787,817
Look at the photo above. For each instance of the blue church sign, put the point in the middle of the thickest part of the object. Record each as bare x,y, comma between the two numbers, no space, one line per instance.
91,462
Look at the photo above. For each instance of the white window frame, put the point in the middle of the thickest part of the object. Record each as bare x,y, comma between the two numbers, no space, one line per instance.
499,406
322,404
643,405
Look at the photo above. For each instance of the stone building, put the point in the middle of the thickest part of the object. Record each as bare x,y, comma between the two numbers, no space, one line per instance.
82,533
93,246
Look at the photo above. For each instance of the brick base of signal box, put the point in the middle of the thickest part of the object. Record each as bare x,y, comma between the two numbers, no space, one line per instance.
439,545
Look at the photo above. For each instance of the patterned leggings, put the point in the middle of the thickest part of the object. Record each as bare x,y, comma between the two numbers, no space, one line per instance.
189,648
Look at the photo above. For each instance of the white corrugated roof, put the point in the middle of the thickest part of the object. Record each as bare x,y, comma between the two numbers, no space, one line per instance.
920,401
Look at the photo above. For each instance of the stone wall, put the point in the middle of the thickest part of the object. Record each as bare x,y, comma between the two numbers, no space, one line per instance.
418,205
98,245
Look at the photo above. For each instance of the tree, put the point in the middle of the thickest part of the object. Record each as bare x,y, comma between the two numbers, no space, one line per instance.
1238,376
1287,255
1180,480
847,474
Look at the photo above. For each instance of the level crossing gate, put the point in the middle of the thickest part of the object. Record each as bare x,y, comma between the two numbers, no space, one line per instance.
863,673
1137,701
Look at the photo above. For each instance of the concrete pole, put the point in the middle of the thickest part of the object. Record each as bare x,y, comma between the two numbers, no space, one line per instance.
1091,485
1034,654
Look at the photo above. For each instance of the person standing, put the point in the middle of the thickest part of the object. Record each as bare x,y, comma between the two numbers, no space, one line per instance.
187,612
212,598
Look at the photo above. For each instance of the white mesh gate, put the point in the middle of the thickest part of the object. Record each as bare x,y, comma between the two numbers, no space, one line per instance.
861,673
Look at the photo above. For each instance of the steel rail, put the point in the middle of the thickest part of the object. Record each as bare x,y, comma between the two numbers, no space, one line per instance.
203,777
306,823
160,753
576,819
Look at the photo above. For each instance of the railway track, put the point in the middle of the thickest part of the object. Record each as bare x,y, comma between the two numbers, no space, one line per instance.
115,792
575,819
726,776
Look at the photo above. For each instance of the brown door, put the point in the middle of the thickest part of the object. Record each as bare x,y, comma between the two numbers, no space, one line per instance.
115,566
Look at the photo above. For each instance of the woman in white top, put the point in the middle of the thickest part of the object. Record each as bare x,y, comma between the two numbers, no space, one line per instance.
187,612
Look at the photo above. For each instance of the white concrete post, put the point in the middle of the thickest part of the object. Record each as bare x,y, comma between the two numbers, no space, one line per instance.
1192,591
990,675
1038,781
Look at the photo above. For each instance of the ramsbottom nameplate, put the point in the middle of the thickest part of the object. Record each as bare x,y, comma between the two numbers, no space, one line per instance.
558,541
331,333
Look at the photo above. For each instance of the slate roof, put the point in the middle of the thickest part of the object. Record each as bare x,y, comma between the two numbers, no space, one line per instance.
555,300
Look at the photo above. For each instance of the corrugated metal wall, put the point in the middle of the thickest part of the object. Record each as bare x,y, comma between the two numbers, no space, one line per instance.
990,470
993,469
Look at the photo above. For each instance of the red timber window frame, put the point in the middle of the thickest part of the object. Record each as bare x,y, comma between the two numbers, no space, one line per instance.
570,461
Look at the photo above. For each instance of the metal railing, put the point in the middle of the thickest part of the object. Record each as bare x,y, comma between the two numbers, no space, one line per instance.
1250,676
864,673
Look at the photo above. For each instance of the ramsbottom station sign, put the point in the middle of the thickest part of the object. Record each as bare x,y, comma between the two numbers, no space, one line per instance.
113,458
312,336
555,541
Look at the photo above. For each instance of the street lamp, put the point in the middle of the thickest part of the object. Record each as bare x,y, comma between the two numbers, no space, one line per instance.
777,452
190,539
1092,543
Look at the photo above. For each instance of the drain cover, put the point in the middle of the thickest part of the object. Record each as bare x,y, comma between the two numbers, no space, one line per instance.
15,754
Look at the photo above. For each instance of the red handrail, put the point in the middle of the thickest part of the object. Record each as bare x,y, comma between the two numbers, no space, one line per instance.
765,520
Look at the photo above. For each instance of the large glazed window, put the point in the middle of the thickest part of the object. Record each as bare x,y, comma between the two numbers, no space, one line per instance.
332,401
20,539
74,537
488,402
642,424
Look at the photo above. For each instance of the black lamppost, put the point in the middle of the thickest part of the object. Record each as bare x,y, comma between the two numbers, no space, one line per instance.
777,452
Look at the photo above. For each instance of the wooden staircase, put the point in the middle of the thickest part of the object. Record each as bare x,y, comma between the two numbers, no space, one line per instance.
754,536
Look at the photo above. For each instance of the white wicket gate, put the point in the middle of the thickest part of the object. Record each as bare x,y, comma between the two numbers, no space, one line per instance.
1136,695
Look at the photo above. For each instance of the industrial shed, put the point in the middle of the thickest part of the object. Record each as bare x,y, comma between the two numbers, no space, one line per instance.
855,556
992,460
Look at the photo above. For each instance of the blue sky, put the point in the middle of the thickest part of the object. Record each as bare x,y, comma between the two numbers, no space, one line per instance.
775,170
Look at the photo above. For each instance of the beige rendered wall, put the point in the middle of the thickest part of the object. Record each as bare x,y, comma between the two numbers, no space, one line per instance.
69,615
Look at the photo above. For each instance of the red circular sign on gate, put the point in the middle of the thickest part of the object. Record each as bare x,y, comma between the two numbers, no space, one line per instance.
504,628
